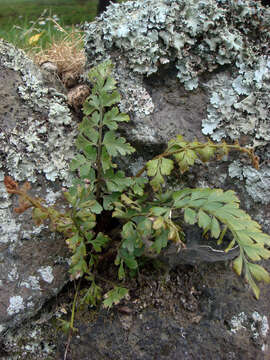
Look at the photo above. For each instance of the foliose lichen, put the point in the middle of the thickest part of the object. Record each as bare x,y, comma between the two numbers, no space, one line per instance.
256,324
257,182
37,143
40,149
15,305
46,273
197,36
228,38
239,102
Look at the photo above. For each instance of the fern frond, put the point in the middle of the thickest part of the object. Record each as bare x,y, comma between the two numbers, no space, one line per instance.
214,208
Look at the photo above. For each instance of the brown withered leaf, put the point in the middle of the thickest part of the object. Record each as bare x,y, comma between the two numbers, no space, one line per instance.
256,162
11,185
25,187
23,206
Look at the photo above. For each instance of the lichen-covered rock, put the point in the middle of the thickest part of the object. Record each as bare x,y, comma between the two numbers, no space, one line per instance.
195,68
36,139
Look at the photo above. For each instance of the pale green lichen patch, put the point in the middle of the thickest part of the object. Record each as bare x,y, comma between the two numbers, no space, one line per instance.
31,282
37,142
16,305
260,325
46,273
221,46
257,325
13,274
239,103
197,36
257,182
9,228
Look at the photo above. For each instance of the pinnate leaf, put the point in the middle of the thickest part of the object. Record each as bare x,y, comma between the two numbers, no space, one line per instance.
190,216
92,294
157,181
177,143
204,220
205,153
166,166
252,284
78,161
117,181
110,84
109,99
161,241
114,296
259,273
215,228
152,167
116,145
238,264
101,241
113,116
185,159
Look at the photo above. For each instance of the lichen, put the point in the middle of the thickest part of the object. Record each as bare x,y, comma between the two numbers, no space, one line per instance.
221,46
32,341
13,274
260,325
35,145
46,273
197,36
257,182
256,324
9,228
239,103
15,305
31,282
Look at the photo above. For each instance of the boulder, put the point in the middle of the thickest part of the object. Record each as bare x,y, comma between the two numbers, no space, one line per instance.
196,68
34,120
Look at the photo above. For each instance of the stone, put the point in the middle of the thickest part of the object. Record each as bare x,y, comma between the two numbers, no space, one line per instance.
193,68
199,68
34,120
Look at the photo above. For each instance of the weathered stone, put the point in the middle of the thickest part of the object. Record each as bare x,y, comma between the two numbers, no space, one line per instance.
207,63
34,120
202,313
194,68
185,67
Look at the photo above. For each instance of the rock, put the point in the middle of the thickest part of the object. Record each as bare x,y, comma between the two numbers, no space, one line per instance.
34,120
194,68
199,314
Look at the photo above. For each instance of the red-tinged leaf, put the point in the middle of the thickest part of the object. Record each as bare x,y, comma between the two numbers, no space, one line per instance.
11,185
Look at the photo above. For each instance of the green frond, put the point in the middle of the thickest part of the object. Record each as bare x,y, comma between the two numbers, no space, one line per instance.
211,208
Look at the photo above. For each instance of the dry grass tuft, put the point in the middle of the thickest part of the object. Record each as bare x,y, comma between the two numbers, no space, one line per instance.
67,54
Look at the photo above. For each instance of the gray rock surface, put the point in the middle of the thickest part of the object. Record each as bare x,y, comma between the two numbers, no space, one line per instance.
200,314
194,68
34,120
191,67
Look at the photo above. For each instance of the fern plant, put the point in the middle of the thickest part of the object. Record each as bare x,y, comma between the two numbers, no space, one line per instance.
146,217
